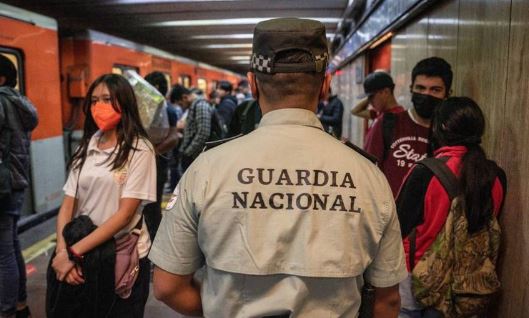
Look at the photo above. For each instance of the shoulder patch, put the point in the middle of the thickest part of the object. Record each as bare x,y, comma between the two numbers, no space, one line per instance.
361,151
213,144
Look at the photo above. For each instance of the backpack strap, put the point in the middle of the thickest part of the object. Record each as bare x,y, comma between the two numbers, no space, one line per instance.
388,126
447,178
449,182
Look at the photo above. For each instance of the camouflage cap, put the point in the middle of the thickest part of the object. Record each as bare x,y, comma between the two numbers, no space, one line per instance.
277,35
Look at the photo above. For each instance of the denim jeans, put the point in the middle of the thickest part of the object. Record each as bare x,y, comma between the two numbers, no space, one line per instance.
12,266
409,307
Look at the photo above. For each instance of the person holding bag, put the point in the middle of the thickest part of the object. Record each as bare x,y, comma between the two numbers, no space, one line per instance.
112,178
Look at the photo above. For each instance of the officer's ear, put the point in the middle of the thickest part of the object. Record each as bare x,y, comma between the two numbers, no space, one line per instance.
324,92
253,85
3,80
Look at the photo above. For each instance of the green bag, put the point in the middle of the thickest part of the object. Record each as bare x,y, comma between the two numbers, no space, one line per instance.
457,274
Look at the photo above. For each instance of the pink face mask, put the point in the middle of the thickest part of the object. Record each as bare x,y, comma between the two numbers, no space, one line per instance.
105,116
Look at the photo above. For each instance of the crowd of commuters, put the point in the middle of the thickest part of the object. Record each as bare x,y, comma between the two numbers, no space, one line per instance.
282,218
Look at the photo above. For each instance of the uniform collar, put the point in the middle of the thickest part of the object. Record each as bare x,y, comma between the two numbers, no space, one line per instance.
291,116
92,145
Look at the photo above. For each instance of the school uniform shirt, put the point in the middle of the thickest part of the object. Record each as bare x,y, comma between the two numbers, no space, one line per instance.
286,220
100,188
423,203
409,144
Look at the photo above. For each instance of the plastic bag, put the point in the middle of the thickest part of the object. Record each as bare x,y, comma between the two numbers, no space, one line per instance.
151,106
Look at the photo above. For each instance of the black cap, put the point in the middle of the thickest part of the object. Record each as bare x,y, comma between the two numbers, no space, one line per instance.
377,81
273,36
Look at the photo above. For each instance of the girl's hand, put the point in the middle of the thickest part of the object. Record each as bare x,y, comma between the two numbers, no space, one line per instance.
75,276
62,265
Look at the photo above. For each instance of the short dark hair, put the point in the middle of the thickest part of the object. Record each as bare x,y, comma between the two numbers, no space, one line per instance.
158,80
280,85
434,66
243,83
225,86
8,70
177,92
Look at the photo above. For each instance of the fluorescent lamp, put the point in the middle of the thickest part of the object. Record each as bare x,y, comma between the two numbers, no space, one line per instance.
233,36
242,21
229,46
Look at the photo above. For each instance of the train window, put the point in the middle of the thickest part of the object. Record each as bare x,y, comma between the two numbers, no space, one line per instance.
213,85
185,80
202,85
16,57
121,68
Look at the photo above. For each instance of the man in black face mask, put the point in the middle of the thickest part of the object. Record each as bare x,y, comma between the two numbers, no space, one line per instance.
400,140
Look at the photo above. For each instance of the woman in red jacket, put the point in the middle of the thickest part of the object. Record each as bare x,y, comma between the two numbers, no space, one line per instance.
424,204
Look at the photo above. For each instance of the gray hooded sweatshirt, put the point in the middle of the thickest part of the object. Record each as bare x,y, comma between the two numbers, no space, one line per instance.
18,115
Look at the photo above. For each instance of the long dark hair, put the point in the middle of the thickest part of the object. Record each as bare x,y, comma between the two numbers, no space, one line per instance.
129,129
460,121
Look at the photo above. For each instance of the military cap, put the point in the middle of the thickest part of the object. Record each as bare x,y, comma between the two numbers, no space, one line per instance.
277,35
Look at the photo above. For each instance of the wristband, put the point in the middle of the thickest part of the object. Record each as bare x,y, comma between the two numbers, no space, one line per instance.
73,256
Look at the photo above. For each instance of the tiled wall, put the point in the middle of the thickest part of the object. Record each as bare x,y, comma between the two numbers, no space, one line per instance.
487,43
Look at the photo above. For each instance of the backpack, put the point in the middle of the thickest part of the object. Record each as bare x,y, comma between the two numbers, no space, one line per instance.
219,129
457,274
388,126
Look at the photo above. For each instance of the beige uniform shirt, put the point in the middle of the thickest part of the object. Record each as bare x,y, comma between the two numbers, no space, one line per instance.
286,220
100,189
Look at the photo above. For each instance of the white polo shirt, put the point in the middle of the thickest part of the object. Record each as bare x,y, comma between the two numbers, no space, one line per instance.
100,189
286,219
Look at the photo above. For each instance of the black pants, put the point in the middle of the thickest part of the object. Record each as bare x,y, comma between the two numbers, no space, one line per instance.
153,211
134,306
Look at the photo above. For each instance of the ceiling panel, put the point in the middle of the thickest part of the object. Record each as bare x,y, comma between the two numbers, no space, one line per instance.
159,23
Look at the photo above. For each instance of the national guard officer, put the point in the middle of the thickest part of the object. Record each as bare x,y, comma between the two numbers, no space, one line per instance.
286,220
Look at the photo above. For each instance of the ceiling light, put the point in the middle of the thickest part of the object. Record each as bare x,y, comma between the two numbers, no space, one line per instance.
233,36
229,46
242,21
240,58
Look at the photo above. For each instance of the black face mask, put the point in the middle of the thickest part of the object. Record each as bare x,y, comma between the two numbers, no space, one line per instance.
425,105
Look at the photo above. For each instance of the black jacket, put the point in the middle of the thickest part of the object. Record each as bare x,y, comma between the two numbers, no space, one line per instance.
226,107
96,296
18,115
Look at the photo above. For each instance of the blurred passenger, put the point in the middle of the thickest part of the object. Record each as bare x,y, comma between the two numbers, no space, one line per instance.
378,87
244,92
399,140
228,102
112,176
18,117
331,114
198,125
246,118
424,206
214,98
180,125
153,211
277,235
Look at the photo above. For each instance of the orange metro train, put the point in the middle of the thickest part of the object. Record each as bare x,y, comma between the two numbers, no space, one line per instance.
54,72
